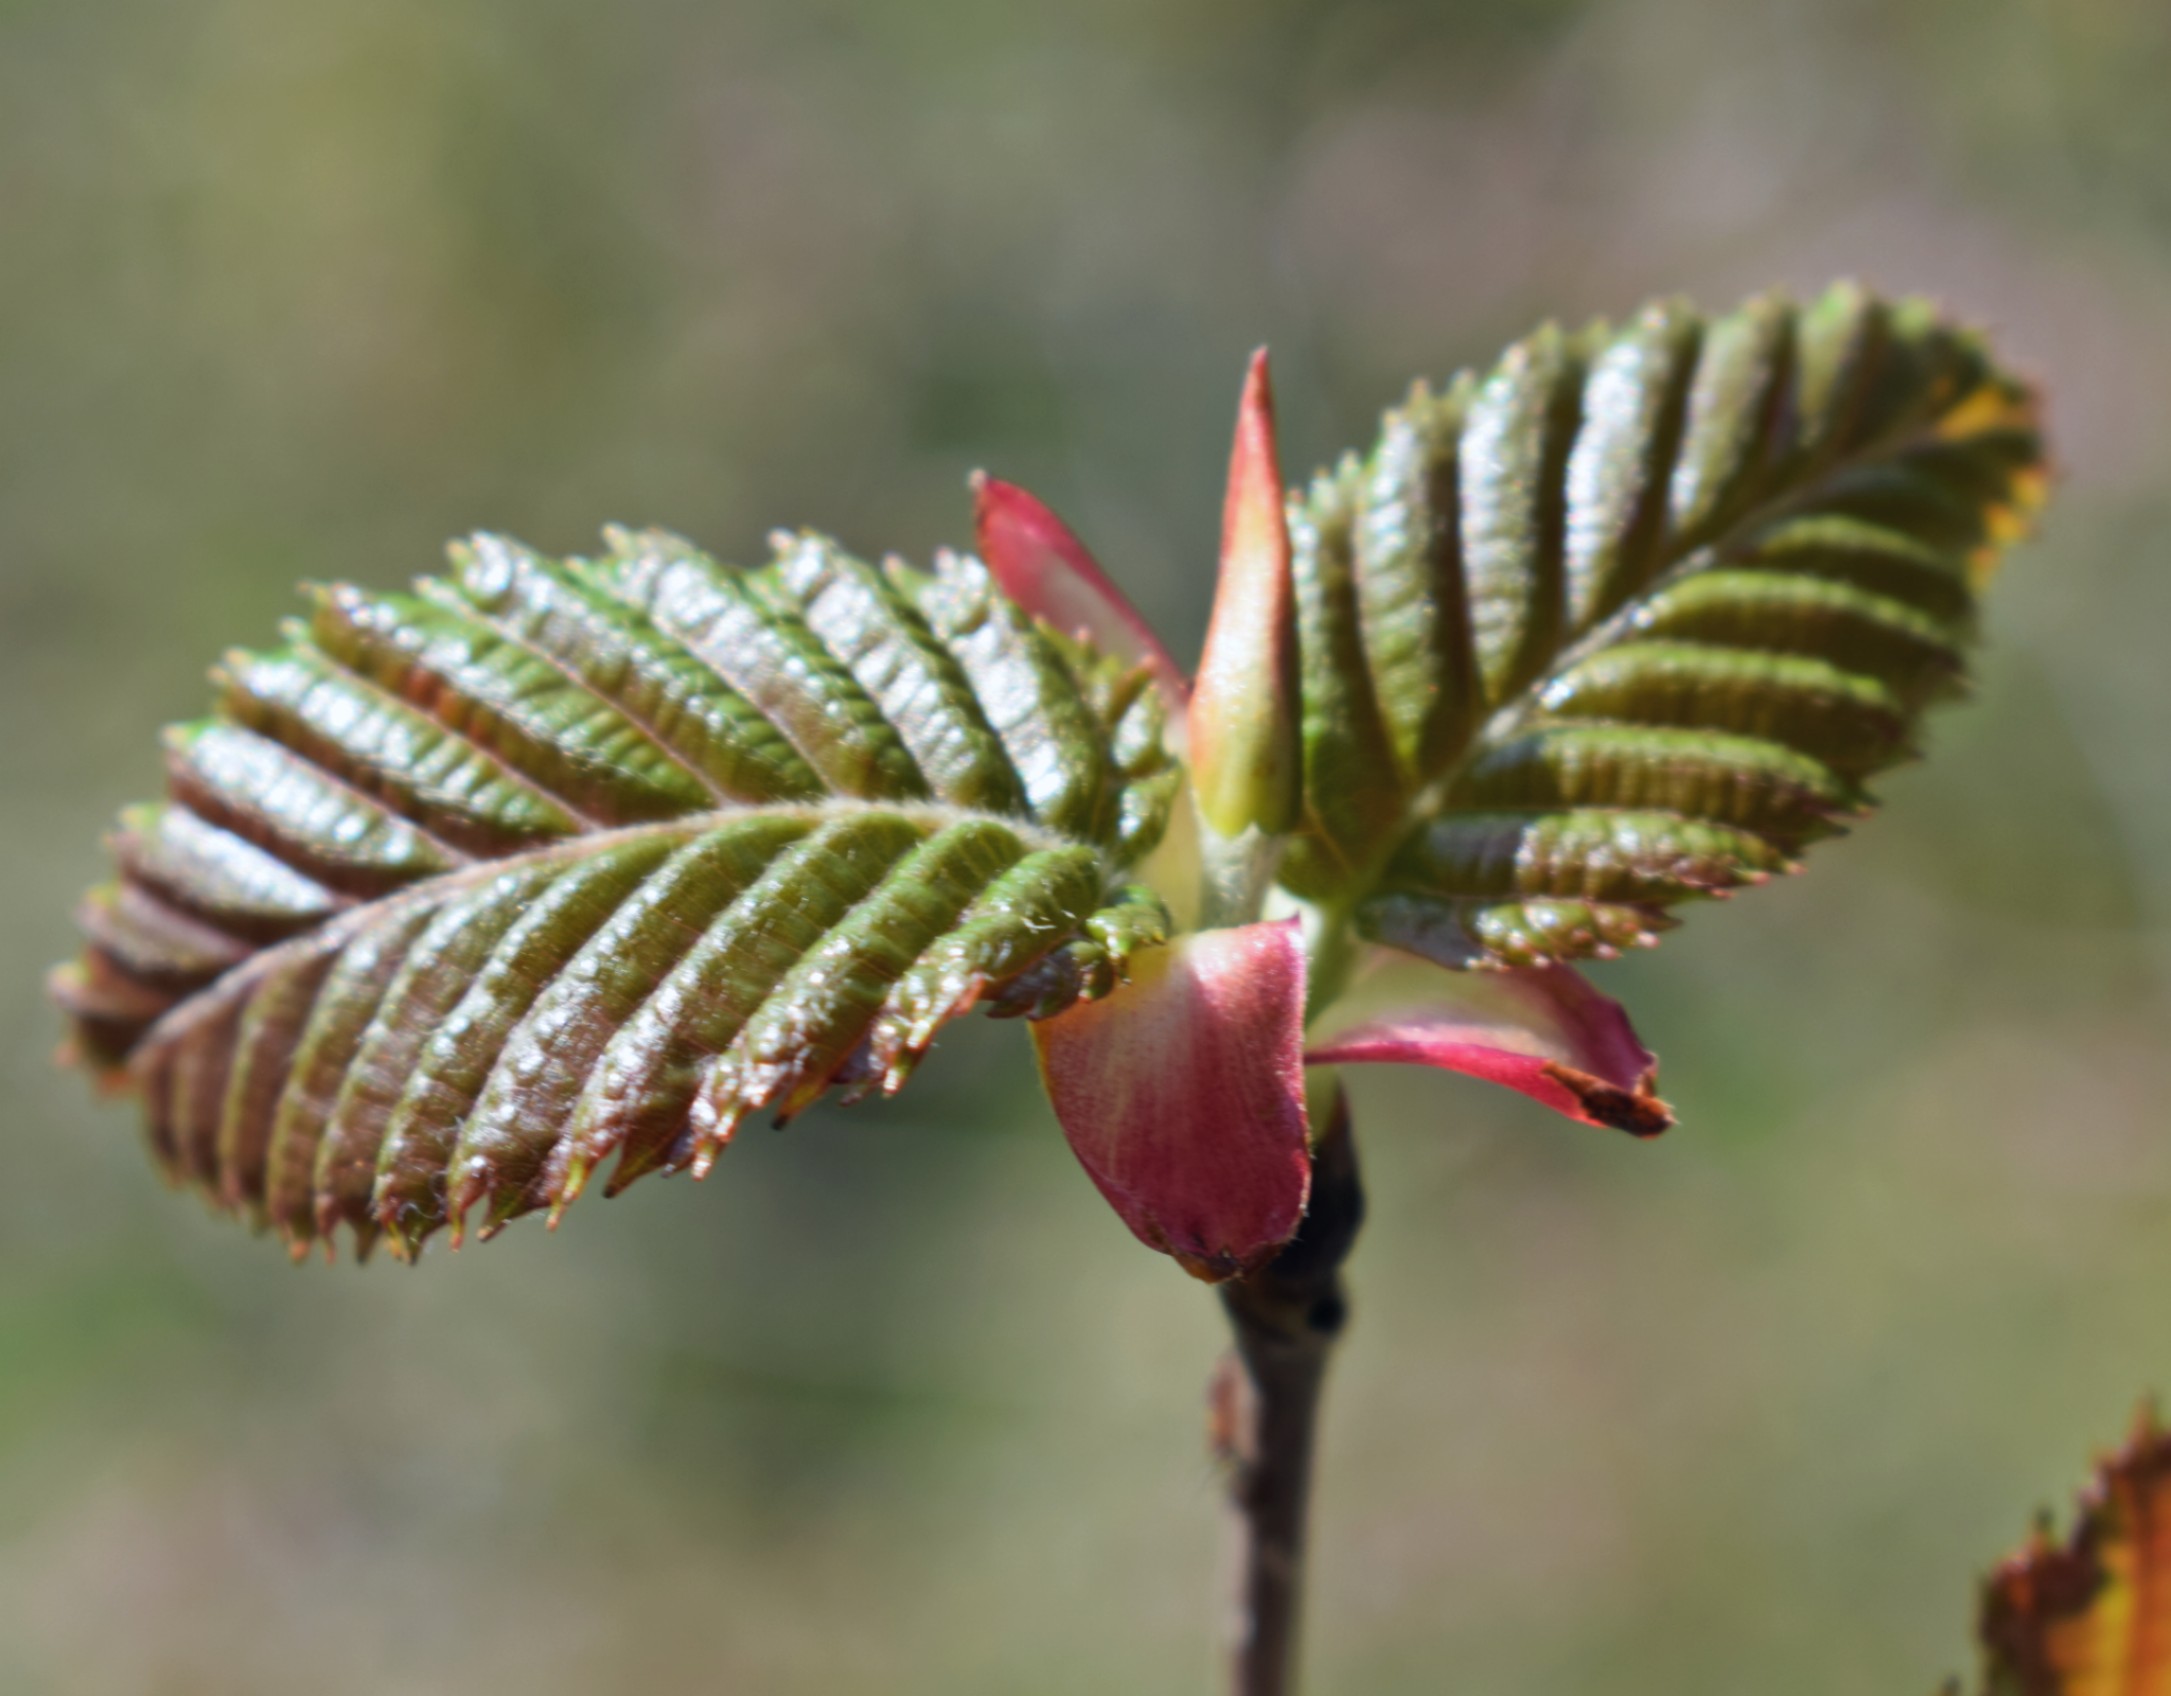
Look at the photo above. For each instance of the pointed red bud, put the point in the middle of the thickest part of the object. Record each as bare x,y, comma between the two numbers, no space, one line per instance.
1042,565
1182,1094
1246,759
1544,1031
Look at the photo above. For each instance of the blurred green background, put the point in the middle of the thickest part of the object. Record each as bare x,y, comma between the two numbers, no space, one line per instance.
894,1404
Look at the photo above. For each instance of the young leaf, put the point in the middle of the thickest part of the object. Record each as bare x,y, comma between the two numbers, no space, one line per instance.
1632,618
462,892
2090,1616
1243,728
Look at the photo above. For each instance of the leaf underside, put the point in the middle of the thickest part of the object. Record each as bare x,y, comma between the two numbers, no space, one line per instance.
1631,618
2090,1616
462,892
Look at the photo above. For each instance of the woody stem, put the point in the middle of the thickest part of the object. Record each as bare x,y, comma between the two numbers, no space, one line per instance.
1286,1317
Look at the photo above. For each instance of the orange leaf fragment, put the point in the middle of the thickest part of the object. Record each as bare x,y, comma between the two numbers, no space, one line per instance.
2091,1616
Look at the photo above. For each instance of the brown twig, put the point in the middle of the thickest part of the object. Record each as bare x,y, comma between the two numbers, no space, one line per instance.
1265,1403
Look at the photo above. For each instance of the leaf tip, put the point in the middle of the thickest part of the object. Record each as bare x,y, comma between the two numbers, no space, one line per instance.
1041,564
1244,735
1636,1110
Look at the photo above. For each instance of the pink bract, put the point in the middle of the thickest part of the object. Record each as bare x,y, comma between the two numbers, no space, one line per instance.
1043,566
1183,1095
1544,1031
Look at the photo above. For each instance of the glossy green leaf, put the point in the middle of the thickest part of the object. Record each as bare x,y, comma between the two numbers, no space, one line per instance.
464,892
1635,616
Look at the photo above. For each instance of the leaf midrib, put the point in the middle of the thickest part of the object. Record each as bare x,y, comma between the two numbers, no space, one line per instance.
1332,957
336,932
1512,716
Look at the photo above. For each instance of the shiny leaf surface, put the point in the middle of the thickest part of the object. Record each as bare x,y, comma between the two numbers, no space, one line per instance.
1633,617
463,892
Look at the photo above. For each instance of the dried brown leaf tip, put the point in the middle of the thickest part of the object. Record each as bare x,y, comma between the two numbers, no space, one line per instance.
2091,1616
